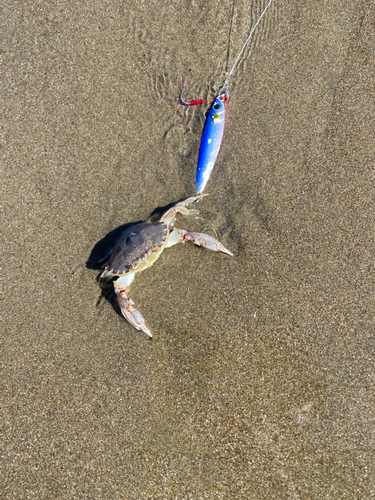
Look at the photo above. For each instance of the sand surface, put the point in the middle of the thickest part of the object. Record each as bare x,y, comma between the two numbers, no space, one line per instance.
259,382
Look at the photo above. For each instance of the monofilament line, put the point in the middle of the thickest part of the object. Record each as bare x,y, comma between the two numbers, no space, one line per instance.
225,84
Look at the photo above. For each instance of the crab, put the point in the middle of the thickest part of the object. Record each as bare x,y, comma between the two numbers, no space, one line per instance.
140,245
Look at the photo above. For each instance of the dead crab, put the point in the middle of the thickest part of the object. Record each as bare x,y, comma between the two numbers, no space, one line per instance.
140,245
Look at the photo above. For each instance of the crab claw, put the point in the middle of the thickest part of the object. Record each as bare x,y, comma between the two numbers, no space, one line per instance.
133,315
203,240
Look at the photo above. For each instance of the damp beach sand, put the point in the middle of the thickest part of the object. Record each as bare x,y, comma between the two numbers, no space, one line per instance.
259,381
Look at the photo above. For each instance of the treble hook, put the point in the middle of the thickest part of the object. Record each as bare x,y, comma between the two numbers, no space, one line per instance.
224,97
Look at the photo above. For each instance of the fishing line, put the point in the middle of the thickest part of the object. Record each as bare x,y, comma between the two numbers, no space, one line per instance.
224,87
214,127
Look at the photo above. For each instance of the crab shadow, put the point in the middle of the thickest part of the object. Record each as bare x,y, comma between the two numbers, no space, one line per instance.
102,251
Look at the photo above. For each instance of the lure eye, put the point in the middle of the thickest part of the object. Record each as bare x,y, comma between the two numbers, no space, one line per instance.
217,106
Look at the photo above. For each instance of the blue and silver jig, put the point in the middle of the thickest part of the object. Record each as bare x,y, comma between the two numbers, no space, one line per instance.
214,127
210,144
211,139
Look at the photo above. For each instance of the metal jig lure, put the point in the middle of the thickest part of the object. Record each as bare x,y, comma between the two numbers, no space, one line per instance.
214,127
211,138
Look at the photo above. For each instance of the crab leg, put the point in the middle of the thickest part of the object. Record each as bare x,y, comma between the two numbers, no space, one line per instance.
133,315
200,239
181,209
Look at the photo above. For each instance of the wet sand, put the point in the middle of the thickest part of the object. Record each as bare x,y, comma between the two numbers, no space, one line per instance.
259,382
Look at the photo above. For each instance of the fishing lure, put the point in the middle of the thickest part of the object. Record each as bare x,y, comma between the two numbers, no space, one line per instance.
214,127
211,138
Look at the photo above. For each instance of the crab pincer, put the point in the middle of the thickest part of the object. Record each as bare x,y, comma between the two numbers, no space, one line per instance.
140,245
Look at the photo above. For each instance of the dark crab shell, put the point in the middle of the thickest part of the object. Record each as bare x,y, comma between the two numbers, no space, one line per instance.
135,244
